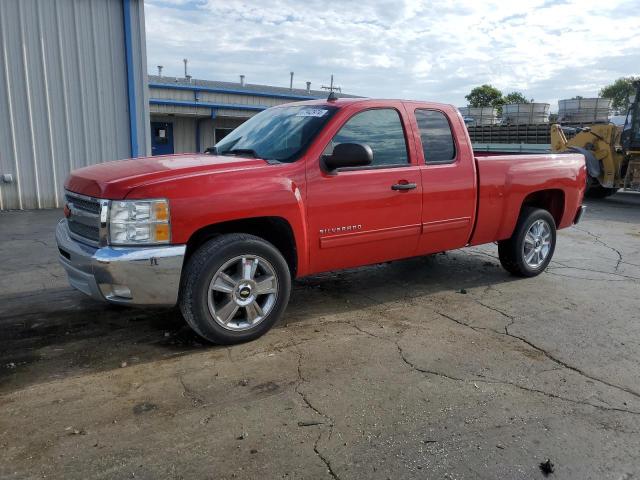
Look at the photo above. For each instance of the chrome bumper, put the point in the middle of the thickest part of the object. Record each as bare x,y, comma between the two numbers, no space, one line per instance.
122,275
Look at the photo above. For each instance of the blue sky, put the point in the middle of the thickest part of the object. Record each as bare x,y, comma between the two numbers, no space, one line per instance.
423,50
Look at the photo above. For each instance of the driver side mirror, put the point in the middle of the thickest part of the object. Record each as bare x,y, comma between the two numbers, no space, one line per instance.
349,155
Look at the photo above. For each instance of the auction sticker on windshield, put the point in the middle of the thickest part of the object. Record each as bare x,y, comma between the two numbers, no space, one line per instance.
311,112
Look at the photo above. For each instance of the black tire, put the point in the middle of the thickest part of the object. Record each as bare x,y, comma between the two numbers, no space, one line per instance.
203,265
511,251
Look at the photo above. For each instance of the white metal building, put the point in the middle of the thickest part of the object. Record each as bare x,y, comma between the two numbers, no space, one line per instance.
73,92
189,115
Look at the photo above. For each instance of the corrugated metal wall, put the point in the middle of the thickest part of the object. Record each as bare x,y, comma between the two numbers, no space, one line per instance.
184,136
185,128
180,110
64,94
207,135
208,126
215,97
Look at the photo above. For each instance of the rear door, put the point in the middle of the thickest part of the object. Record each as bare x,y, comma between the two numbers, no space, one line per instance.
448,174
360,216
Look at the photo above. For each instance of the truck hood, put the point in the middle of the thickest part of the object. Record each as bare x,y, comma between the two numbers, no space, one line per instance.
114,180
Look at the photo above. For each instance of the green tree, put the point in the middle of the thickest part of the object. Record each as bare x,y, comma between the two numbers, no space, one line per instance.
515,97
485,96
619,92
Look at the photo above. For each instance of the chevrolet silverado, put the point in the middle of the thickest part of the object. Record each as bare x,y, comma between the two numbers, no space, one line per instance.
299,189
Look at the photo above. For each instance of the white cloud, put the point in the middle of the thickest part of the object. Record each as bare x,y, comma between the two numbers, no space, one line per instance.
412,49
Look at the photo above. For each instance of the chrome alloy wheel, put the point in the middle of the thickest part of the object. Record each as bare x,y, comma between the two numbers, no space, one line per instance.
242,292
537,243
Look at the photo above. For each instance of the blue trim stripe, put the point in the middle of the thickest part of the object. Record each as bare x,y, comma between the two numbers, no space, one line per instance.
187,103
131,87
255,93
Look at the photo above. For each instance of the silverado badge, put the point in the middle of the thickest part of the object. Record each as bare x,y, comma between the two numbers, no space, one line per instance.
347,228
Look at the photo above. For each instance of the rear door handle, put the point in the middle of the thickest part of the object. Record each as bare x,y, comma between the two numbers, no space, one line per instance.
403,186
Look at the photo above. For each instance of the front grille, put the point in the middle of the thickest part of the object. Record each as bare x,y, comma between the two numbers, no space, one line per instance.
84,204
84,216
87,231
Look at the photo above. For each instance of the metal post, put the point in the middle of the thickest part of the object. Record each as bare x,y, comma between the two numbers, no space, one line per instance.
131,87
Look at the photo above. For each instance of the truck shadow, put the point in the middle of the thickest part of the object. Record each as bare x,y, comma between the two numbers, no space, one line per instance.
396,282
56,333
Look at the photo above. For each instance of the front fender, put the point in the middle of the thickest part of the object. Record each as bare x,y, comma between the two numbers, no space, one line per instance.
199,201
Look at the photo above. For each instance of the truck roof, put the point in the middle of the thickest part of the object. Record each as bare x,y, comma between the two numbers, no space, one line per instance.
342,102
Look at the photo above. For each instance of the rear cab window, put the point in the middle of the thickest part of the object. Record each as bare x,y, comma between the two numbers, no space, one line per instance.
438,144
382,130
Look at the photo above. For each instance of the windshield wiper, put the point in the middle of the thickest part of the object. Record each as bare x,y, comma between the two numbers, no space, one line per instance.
242,151
249,151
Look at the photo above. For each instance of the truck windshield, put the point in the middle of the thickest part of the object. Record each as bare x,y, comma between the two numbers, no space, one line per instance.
279,133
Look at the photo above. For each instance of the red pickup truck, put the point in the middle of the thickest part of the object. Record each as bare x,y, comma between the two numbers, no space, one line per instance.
299,189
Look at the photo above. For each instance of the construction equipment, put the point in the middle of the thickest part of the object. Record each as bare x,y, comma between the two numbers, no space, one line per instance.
612,155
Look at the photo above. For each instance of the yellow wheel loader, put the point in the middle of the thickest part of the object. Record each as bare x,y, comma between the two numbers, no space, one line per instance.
612,155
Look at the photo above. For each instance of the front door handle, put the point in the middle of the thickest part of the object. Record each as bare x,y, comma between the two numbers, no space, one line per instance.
403,186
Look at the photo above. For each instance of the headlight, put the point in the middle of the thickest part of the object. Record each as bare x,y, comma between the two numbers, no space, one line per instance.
139,221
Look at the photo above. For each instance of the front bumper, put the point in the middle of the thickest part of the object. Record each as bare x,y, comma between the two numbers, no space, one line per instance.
122,275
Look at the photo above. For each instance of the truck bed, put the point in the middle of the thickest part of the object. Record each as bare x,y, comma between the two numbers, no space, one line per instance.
505,182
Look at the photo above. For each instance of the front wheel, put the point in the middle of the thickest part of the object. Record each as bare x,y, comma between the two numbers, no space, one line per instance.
530,249
234,288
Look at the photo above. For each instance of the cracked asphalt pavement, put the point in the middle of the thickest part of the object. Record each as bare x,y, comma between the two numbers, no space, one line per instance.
381,372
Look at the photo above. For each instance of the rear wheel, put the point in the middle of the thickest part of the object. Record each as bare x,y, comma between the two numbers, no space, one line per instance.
235,287
530,249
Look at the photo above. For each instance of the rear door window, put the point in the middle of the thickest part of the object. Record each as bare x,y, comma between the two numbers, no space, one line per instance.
437,139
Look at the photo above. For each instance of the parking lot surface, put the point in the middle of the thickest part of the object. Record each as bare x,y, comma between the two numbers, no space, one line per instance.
436,367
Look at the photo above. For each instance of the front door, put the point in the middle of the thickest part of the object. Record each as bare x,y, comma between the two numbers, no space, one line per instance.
161,138
370,214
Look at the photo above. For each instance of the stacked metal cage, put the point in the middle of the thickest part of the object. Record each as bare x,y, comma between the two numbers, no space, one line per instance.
480,116
580,111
